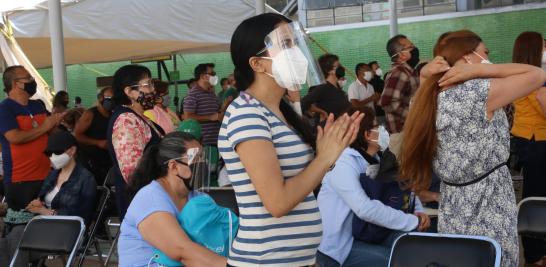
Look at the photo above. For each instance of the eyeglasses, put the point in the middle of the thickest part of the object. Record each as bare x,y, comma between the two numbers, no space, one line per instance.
148,85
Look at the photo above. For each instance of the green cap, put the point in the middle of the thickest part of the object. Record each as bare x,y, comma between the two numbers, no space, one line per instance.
192,127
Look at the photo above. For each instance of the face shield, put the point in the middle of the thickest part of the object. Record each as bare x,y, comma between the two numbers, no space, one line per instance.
198,164
293,64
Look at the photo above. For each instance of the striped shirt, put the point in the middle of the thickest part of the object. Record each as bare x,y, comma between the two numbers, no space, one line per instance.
262,239
202,102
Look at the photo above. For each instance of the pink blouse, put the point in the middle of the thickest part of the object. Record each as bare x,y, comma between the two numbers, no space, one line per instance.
129,138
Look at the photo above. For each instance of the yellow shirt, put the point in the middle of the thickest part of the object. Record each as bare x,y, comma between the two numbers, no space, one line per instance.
529,119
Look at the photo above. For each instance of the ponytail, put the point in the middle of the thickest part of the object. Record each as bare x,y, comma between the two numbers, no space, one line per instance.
300,126
146,171
420,140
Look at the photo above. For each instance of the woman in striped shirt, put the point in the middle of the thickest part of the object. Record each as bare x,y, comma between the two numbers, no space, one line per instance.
268,148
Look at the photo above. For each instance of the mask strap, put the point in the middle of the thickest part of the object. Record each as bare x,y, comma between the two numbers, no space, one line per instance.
476,53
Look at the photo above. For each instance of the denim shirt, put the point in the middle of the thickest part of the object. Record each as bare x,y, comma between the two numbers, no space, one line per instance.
76,197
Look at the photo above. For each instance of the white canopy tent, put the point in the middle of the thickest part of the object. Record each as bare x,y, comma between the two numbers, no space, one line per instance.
106,30
96,31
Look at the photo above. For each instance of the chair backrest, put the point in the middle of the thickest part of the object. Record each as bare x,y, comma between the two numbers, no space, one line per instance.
59,235
532,217
109,181
223,196
438,250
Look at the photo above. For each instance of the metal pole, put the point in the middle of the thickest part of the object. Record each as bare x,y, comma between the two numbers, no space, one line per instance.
176,98
393,18
260,6
57,45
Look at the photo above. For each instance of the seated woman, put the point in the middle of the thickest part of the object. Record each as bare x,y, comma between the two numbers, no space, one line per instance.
342,197
69,189
161,186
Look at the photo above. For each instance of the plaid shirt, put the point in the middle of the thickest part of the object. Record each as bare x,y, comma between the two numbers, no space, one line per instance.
400,86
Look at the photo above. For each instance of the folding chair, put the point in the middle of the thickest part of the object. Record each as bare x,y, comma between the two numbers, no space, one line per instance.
442,250
110,183
99,214
56,235
532,217
223,196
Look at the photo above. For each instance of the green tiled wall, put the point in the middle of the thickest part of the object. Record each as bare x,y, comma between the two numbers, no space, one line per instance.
355,45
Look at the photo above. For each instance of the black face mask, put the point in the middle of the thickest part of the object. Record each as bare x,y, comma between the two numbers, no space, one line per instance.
414,60
187,182
199,171
107,104
146,100
340,72
30,88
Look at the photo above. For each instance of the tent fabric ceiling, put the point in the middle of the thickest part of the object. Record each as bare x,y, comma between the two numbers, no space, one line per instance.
106,30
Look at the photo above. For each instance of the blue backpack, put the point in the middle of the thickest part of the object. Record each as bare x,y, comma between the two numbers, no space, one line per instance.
207,224
390,194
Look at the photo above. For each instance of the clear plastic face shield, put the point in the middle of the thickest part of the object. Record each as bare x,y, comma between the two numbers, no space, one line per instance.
200,170
293,64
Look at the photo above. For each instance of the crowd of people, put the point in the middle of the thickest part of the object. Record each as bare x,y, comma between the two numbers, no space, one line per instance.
309,172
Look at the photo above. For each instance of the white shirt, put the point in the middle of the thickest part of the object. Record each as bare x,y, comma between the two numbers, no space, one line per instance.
50,196
359,91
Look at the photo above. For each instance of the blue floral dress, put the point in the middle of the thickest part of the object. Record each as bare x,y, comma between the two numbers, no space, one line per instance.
470,145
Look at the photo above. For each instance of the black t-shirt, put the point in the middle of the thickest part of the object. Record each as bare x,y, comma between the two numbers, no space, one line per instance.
378,85
328,98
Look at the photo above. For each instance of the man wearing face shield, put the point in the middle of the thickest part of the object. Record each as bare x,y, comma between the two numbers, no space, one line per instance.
328,97
24,127
91,131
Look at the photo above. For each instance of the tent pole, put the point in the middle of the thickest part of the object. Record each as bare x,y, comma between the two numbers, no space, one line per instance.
57,45
176,98
393,18
260,6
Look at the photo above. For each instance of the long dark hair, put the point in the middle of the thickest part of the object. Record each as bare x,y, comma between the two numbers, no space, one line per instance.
366,125
420,139
152,164
246,42
528,49
126,76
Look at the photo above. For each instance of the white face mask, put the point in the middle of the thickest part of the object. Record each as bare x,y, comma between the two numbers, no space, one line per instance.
383,138
289,68
59,161
372,170
379,72
484,61
368,76
213,80
341,83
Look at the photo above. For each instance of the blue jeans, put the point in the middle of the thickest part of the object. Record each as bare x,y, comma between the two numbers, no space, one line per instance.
363,254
